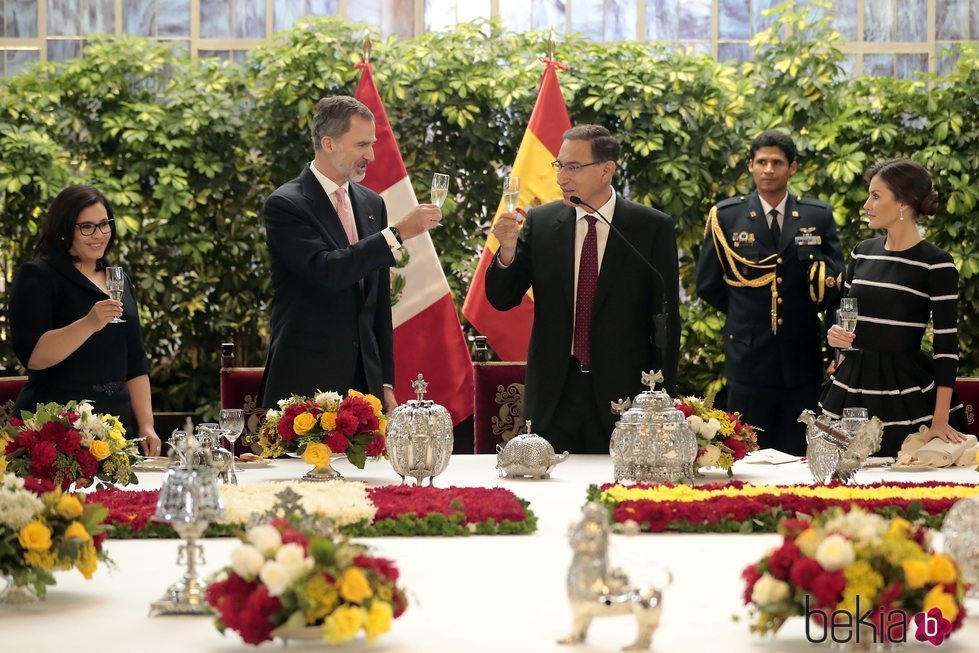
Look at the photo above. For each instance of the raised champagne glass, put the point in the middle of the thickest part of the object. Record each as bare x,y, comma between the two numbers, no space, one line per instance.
440,188
511,192
115,283
232,424
848,316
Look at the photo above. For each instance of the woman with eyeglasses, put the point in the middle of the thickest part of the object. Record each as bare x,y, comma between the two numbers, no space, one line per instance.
61,314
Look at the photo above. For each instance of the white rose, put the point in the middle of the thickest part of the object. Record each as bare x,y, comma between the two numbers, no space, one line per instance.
275,578
272,413
283,402
290,555
695,423
247,561
835,553
265,538
711,428
769,590
712,453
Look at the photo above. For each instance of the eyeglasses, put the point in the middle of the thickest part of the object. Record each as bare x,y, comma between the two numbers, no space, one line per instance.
573,168
88,228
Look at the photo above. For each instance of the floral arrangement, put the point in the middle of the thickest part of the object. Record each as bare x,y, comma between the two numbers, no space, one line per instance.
358,511
46,533
60,445
326,424
286,576
854,562
722,437
738,507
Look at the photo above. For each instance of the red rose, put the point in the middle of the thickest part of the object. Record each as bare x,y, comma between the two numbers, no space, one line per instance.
69,416
43,454
52,431
37,485
804,572
685,409
87,462
659,517
376,448
294,537
381,566
15,422
70,441
781,561
26,439
739,448
336,442
828,588
347,423
400,602
255,625
750,576
791,528
362,410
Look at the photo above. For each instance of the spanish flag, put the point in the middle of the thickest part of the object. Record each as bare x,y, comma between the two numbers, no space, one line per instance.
509,333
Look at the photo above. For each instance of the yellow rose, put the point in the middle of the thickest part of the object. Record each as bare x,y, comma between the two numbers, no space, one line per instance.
939,598
915,573
69,507
303,423
354,586
808,541
317,454
382,426
899,526
328,421
35,536
942,570
75,529
3,465
375,404
88,562
378,620
99,449
343,624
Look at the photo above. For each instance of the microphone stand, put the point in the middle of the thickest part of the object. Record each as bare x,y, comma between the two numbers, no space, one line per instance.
660,323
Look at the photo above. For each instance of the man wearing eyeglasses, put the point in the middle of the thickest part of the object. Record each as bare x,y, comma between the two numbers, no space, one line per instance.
594,298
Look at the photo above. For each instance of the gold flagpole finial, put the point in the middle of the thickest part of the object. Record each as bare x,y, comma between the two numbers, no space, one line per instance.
366,53
550,44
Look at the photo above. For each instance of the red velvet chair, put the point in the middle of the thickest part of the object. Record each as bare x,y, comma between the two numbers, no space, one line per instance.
10,387
239,389
498,407
968,390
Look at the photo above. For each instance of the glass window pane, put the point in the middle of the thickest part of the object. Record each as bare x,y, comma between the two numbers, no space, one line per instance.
467,10
974,34
587,18
734,21
945,59
908,65
550,13
398,17
20,18
250,19
662,22
952,20
700,48
621,20
61,50
138,17
99,17
912,20
844,14
178,48
439,14
173,17
695,19
735,51
63,18
759,21
214,54
878,65
849,66
517,15
287,12
18,60
878,21
215,19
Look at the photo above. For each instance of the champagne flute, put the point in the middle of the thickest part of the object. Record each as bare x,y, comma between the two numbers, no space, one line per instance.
232,423
115,283
853,420
440,188
511,192
848,316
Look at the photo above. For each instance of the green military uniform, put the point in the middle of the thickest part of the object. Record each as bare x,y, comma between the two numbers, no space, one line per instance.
773,295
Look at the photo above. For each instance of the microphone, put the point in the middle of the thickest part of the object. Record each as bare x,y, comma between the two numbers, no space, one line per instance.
659,319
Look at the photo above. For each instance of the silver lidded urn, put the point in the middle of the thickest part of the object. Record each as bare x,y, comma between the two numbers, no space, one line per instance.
527,454
960,535
652,442
834,454
419,437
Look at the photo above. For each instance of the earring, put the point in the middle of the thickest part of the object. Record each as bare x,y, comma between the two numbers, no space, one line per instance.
901,216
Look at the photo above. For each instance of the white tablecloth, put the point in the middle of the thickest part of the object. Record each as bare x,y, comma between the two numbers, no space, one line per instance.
471,594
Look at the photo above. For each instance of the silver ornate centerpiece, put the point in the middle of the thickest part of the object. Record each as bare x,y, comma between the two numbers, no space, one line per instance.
652,442
419,437
527,454
834,454
960,533
189,500
597,591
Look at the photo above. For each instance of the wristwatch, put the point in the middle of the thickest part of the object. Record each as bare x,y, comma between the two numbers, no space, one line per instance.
397,235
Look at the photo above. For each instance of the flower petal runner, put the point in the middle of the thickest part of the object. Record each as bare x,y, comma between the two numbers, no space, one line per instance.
358,511
738,507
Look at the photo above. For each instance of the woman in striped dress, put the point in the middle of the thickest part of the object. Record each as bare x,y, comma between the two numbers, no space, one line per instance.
899,280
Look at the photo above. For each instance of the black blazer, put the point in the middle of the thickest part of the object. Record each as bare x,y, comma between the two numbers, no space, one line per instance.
627,296
51,293
754,355
324,320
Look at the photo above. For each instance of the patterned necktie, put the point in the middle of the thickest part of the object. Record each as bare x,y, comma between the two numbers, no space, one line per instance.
776,230
346,215
585,298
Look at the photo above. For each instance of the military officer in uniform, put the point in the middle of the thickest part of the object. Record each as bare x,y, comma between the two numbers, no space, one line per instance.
772,262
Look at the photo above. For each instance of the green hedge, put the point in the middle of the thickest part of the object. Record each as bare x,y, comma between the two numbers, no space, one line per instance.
187,152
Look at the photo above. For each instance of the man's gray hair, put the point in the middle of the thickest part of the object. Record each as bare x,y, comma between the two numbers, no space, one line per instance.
332,117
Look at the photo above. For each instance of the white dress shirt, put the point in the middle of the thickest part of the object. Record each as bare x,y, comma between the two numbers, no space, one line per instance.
601,235
330,187
780,207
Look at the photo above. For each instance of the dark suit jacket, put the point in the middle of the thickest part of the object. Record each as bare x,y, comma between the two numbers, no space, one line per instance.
323,319
754,355
627,296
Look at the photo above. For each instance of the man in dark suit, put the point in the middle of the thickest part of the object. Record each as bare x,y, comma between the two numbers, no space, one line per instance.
594,299
772,262
330,248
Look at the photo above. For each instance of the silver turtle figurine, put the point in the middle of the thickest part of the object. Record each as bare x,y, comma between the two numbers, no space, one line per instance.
527,454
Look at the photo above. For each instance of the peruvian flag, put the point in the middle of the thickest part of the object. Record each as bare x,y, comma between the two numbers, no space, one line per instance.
509,333
428,337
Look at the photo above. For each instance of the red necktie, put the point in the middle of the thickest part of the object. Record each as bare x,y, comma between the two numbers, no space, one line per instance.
585,298
346,215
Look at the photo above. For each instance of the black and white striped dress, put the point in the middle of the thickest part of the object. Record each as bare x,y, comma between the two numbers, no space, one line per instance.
889,374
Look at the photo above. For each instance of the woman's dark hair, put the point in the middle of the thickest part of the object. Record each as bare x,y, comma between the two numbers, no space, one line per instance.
910,183
58,230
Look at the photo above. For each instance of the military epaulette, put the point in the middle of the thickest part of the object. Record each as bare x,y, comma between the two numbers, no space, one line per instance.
731,201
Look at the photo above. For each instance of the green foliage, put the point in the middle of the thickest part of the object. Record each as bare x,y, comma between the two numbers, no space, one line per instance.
187,152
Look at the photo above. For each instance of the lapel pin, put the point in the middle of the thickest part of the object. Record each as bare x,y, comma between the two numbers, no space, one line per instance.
370,217
795,214
754,214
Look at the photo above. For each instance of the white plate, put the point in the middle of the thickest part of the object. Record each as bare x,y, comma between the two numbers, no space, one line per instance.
162,463
905,468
